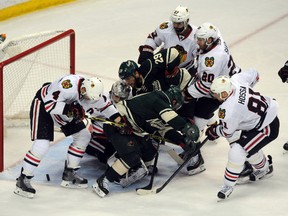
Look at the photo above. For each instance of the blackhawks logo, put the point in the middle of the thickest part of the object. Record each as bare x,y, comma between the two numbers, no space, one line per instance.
163,25
209,62
221,113
66,84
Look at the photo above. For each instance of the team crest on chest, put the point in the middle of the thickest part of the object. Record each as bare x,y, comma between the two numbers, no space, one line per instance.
221,113
209,61
163,25
66,84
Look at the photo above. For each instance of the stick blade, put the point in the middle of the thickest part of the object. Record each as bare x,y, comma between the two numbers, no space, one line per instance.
142,191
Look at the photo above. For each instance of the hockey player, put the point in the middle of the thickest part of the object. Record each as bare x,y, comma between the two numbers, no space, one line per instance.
59,103
158,73
147,113
177,31
283,73
213,60
251,113
99,145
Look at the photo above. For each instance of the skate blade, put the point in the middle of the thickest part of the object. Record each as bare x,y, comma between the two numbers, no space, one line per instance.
69,184
247,180
97,190
20,192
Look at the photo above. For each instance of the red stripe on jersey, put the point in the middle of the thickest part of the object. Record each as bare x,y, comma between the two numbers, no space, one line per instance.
201,87
48,106
35,119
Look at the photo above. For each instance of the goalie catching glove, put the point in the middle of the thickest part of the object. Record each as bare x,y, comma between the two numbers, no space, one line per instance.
191,135
74,110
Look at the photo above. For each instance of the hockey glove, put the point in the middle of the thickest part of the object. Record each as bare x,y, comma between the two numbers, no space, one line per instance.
189,146
125,129
146,52
191,131
74,110
283,73
211,132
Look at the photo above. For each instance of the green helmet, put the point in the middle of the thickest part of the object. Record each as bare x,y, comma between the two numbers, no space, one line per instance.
174,94
127,69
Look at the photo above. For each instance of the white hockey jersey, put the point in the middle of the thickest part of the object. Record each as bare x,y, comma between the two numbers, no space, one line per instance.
245,109
102,108
61,92
210,65
165,36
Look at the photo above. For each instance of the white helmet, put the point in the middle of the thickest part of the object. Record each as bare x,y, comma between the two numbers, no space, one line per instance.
94,88
221,84
180,14
121,89
206,31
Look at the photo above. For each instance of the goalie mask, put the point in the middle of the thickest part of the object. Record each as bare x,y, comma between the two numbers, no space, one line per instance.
175,96
93,88
221,86
120,90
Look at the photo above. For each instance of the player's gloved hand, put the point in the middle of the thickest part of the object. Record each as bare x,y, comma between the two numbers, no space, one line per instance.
2,38
74,110
126,128
146,52
211,132
283,73
191,131
189,145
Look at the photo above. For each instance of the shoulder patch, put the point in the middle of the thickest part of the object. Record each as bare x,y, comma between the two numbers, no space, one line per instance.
221,113
66,84
163,25
209,61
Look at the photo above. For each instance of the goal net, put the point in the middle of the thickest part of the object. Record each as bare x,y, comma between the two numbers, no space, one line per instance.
26,63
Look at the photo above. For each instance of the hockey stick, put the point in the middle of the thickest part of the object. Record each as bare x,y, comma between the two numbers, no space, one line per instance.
150,185
167,149
159,189
105,121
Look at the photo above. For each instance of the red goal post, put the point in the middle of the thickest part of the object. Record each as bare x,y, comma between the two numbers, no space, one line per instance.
25,64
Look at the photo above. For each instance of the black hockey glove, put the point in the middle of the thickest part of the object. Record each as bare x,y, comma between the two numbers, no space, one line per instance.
283,73
146,52
74,110
211,132
191,135
126,129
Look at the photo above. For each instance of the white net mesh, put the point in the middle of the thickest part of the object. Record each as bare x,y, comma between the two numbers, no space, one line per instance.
23,77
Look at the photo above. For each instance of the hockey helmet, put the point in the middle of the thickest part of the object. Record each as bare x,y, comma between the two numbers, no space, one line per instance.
175,96
220,85
179,15
121,89
93,88
172,62
127,69
206,31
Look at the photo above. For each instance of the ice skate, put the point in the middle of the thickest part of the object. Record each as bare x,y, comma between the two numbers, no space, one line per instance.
225,192
244,176
101,187
263,174
70,179
196,165
23,187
